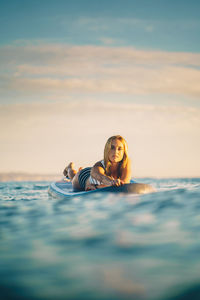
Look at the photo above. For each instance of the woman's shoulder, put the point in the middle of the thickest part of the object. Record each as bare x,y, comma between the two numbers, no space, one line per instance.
99,163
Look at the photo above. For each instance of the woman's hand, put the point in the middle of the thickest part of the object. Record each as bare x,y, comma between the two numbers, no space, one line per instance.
90,187
117,182
110,181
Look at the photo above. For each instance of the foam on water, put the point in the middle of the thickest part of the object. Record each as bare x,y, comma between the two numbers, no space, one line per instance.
101,246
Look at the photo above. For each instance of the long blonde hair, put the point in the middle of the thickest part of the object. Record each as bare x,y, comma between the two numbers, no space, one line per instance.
123,162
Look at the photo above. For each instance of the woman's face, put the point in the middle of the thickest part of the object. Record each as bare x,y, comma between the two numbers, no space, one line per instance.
116,152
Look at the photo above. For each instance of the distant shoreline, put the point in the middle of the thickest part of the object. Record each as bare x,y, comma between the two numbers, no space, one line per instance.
4,177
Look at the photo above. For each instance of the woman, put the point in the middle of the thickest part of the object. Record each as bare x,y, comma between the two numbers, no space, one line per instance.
115,169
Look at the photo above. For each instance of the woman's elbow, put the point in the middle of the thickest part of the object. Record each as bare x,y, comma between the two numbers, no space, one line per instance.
93,172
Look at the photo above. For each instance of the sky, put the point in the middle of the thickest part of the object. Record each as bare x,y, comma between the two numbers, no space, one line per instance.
73,73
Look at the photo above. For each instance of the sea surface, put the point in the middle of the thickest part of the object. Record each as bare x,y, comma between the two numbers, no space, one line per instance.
102,246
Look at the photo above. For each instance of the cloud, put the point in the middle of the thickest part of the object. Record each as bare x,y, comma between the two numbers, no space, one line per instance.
135,24
90,69
59,53
108,25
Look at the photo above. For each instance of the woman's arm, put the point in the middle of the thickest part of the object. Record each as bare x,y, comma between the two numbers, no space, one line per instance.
98,173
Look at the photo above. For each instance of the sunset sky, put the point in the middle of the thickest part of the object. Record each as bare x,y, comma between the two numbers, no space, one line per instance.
73,73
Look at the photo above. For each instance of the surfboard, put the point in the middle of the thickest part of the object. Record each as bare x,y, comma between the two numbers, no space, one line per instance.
64,190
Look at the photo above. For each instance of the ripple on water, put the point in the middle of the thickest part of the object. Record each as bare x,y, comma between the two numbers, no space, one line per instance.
103,246
40,187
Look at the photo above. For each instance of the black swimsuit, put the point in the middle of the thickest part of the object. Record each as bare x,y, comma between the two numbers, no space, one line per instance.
83,176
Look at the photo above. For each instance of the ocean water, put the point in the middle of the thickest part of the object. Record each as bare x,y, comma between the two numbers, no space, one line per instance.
103,246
